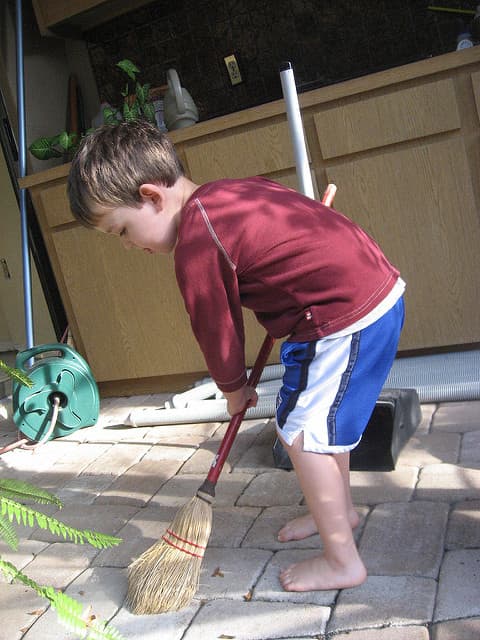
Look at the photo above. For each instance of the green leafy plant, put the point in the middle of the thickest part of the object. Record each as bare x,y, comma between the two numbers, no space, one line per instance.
13,495
136,104
54,147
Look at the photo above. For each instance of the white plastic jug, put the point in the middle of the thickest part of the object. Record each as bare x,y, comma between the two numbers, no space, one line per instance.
179,109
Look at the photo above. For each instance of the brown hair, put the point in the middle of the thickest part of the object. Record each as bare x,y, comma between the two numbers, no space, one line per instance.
112,163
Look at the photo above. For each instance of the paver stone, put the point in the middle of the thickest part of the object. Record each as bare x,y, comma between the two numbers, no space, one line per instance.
459,585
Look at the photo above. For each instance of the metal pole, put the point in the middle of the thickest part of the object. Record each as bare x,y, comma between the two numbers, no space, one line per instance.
296,129
22,152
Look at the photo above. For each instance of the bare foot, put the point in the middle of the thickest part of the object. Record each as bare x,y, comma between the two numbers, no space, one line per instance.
304,527
317,574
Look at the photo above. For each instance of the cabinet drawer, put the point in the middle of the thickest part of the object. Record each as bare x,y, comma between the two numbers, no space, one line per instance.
406,114
258,151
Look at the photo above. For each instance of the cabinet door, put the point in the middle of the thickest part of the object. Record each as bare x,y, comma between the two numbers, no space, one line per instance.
424,217
130,316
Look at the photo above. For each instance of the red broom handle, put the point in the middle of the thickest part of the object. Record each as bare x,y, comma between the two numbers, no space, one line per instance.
236,420
234,425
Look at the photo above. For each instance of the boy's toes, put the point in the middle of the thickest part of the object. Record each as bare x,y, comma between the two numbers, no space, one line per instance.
285,534
286,578
298,529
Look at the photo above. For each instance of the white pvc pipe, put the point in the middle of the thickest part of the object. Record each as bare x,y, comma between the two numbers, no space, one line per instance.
208,389
201,392
201,412
294,119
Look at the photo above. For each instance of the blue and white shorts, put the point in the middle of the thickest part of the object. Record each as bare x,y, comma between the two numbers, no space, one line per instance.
330,386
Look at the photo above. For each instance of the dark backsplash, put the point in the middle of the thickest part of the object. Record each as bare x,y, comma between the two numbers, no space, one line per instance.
327,41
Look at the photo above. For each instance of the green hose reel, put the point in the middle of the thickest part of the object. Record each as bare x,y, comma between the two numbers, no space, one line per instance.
60,377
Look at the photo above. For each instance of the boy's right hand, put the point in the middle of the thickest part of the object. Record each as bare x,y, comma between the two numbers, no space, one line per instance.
238,400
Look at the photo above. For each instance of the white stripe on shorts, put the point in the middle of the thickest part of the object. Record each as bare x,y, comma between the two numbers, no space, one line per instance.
313,405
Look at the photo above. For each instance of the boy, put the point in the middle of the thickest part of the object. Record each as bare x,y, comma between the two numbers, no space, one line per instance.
309,274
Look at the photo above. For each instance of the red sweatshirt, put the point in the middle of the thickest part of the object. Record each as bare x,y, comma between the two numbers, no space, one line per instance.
304,269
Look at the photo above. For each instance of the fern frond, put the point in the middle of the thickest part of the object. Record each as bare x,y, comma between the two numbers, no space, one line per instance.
8,533
16,374
29,517
101,630
73,616
101,540
69,611
20,490
11,572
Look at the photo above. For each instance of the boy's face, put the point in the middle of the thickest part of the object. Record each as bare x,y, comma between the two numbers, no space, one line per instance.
149,227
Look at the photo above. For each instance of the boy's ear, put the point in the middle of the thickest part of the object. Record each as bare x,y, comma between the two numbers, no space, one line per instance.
153,192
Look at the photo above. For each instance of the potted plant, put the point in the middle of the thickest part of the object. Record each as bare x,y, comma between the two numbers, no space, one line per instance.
136,103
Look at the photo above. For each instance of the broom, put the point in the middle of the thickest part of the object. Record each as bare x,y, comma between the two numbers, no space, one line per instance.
166,576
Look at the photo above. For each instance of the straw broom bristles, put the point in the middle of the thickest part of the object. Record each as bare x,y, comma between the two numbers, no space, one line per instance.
166,576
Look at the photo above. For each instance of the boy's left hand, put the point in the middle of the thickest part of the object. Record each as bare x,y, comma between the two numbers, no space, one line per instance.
237,400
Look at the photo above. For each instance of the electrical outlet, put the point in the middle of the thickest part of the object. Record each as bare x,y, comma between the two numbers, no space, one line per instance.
233,69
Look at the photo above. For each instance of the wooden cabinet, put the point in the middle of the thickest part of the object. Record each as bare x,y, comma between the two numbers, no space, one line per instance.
403,148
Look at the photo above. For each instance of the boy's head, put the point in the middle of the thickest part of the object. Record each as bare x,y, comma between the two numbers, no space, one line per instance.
113,162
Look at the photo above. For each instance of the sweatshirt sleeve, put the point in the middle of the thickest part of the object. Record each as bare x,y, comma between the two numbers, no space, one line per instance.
208,283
